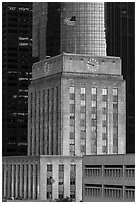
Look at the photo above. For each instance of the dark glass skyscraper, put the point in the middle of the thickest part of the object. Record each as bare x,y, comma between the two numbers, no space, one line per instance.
120,35
16,67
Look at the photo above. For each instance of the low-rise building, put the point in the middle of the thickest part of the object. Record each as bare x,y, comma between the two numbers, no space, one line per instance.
109,178
42,177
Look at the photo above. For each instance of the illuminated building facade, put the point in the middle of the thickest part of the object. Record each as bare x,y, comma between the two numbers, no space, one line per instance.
77,27
16,75
76,106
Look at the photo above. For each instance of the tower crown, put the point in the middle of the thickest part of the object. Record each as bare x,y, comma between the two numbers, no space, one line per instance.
78,63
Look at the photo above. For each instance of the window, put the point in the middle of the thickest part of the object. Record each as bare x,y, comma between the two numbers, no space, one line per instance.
113,171
93,190
130,193
115,92
130,171
72,89
83,90
61,167
114,192
104,92
93,103
49,167
93,90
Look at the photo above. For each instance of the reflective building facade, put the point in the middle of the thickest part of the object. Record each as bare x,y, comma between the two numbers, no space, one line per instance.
68,27
16,75
120,36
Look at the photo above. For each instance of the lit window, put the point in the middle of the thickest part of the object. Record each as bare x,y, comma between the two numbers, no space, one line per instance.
93,103
115,92
83,103
72,89
104,91
83,90
93,90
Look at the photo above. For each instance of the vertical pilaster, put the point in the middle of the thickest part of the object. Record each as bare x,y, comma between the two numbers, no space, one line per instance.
66,179
34,182
33,125
88,120
79,180
99,120
29,125
55,123
12,180
43,180
21,176
25,180
45,122
65,109
110,121
29,181
55,180
77,121
50,120
37,124
16,184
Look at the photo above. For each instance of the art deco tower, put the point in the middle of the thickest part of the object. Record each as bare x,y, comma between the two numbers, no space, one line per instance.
77,27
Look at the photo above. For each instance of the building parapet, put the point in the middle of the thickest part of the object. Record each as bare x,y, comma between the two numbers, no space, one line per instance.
77,63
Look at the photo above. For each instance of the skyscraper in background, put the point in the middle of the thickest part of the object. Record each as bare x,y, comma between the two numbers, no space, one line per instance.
16,75
71,27
120,36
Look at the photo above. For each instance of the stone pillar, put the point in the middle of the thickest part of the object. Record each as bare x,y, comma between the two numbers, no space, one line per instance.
99,120
55,180
77,122
21,184
50,120
88,120
29,125
33,124
43,180
9,181
37,124
25,180
67,178
78,180
34,182
110,120
16,184
65,115
12,180
41,123
29,181
45,123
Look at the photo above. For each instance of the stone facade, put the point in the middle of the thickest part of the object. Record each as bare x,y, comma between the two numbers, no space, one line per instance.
49,106
25,178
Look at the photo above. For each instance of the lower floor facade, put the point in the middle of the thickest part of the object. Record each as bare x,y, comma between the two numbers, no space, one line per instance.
42,178
109,178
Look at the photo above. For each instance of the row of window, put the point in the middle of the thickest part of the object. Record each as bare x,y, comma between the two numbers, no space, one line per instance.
110,192
110,171
50,181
